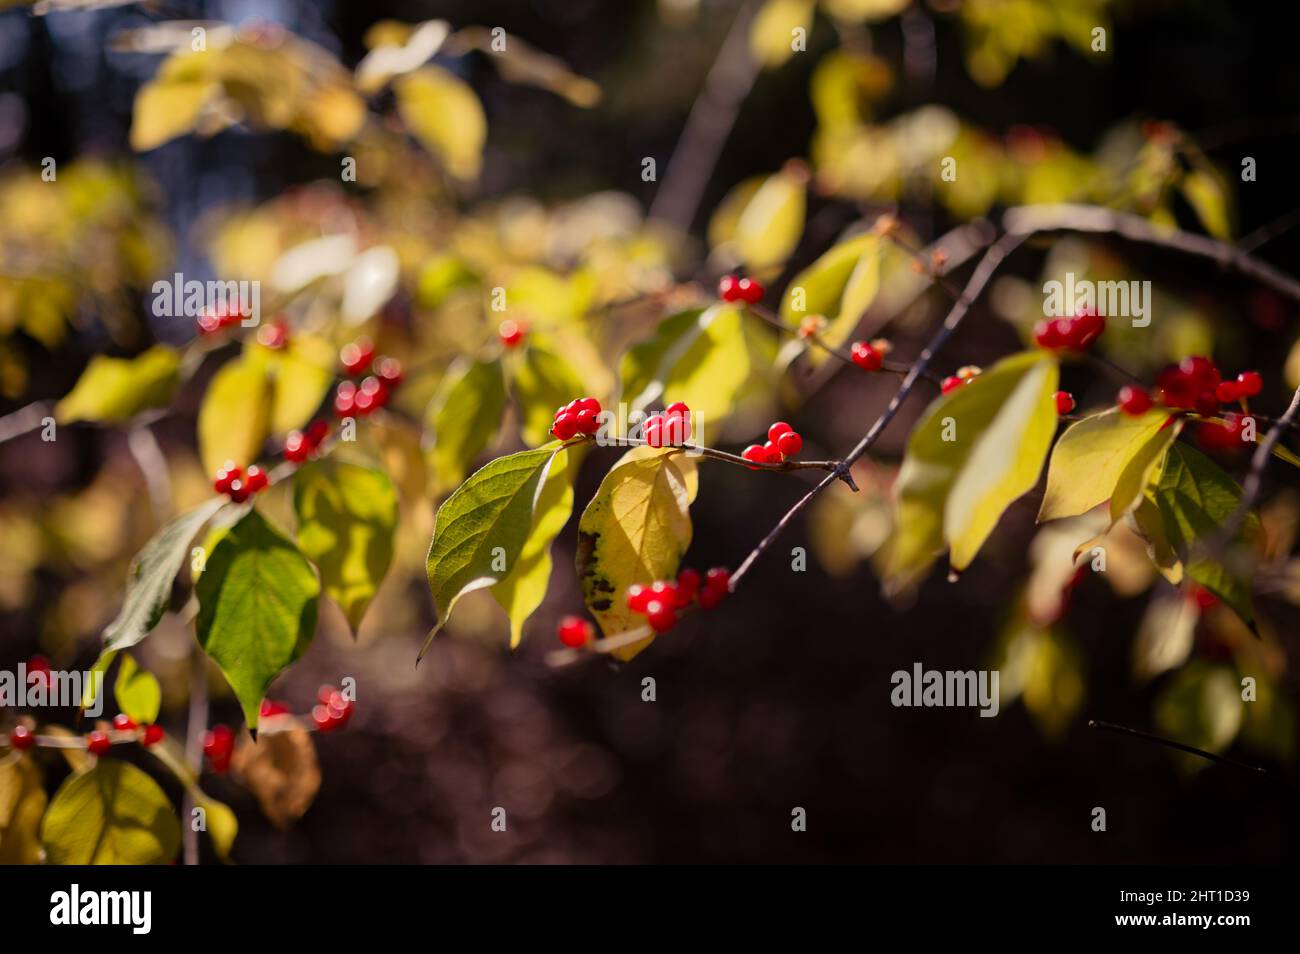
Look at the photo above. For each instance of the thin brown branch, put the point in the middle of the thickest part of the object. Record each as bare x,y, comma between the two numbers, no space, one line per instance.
1170,743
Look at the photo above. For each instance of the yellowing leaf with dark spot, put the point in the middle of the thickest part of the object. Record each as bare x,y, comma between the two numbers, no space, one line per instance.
235,416
481,529
636,529
22,803
113,814
1093,455
137,692
257,608
524,586
282,772
467,413
446,117
347,515
771,35
117,389
954,491
1195,498
541,382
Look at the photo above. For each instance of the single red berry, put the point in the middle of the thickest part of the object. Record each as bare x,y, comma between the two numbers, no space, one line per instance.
124,723
638,596
653,429
1228,392
209,323
665,590
755,452
1085,328
729,288
1224,438
776,430
718,578
38,671
1250,383
1064,402
316,432
323,719
661,615
587,404
565,426
389,371
238,491
218,742
1049,334
676,429
772,454
510,332
256,480
750,291
677,409
688,584
356,357
98,743
273,335
575,632
586,422
325,693
271,708
950,384
345,399
296,447
153,734
866,357
1133,400
789,444
1200,372
22,738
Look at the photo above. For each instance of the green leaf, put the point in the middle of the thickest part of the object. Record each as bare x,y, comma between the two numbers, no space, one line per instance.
149,581
137,691
114,814
840,286
643,367
481,529
524,586
235,416
117,389
711,368
999,428
635,530
1095,455
468,412
769,226
257,608
1201,707
446,117
542,382
347,515
93,688
1195,498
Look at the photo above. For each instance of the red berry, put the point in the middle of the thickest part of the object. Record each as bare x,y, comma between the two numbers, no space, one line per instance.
389,370
772,454
637,597
789,443
256,479
22,738
226,477
950,384
688,584
676,429
345,399
663,590
755,452
124,723
586,422
38,671
1228,392
587,404
1048,334
718,578
1203,598
323,718
575,632
98,742
238,491
1222,438
316,432
1133,401
153,734
661,615
209,323
218,743
1200,373
1207,404
271,708
565,426
729,288
776,430
677,409
653,429
1085,328
273,335
296,447
1250,383
356,357
749,291
866,357
510,332
1064,402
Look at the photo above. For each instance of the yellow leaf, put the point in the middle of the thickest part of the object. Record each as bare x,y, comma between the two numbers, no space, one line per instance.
235,415
22,803
165,110
772,34
769,228
116,389
635,530
1091,457
445,115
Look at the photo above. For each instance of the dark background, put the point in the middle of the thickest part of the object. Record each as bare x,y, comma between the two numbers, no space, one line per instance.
782,700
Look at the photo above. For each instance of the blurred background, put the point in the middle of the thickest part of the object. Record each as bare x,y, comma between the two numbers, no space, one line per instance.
781,700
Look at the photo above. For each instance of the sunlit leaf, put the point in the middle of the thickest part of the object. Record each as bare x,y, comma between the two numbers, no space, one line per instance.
467,413
708,367
223,826
347,515
257,608
446,117
1201,707
113,814
772,34
764,230
137,692
235,416
1095,455
839,286
116,389
541,382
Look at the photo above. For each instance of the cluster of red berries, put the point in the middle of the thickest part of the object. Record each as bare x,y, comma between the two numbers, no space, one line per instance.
870,355
238,484
359,398
300,445
672,428
782,442
581,416
660,601
963,377
1070,333
733,289
217,317
511,333
575,632
99,742
218,746
332,710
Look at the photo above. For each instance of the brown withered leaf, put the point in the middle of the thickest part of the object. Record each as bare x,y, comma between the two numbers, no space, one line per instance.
281,770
